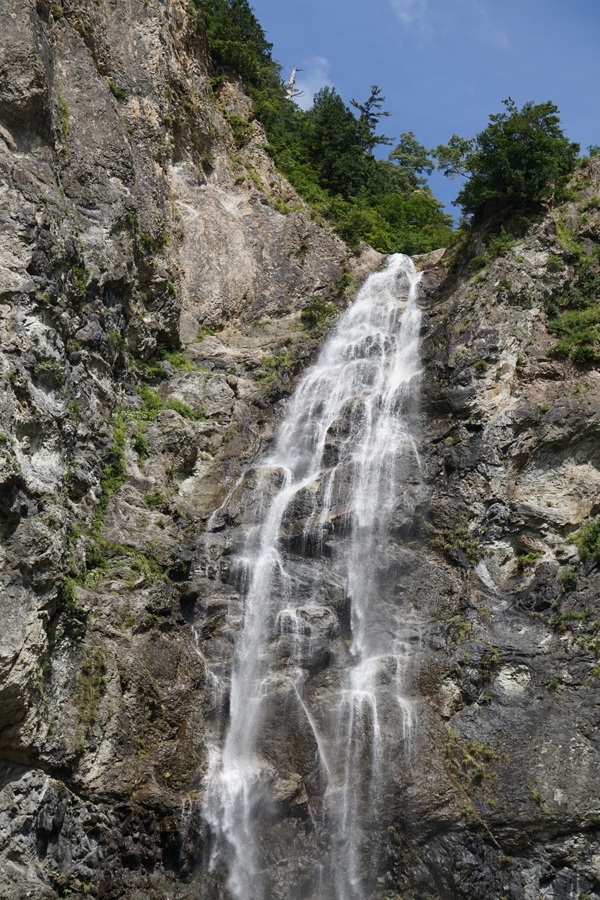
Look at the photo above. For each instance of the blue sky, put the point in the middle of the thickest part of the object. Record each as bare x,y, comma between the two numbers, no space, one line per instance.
445,65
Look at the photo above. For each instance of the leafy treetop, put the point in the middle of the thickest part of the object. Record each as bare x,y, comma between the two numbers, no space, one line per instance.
517,163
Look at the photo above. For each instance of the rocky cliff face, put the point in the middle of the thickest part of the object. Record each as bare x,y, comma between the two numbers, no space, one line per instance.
161,287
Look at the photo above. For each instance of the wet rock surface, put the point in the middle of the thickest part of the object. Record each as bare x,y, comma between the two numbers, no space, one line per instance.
150,299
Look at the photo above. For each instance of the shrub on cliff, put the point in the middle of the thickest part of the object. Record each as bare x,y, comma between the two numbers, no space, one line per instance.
517,164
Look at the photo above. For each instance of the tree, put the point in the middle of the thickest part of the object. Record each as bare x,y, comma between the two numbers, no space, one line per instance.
237,40
370,114
412,159
515,164
335,142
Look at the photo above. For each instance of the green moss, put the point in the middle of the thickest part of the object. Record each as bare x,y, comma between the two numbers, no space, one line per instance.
47,368
281,207
579,332
151,370
153,403
459,627
538,798
345,285
113,476
103,554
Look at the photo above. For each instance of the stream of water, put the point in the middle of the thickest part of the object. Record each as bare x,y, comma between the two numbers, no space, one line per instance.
318,700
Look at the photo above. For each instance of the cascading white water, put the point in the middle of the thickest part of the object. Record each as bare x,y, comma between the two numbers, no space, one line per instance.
327,501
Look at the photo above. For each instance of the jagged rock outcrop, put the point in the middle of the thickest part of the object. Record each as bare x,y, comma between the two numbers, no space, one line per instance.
152,280
133,227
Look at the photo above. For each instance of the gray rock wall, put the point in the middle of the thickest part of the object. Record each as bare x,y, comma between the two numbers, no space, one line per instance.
152,279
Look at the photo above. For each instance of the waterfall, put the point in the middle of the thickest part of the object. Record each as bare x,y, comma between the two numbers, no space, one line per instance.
319,703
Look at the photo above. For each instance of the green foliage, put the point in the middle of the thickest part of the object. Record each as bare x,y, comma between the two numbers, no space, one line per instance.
555,263
563,621
456,541
587,540
568,239
102,554
579,333
242,129
140,444
118,93
326,152
205,331
237,40
317,313
151,243
334,141
80,276
499,244
153,405
575,320
555,684
155,499
72,605
412,159
185,411
526,560
274,366
470,760
177,359
90,686
520,161
368,120
117,341
113,476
